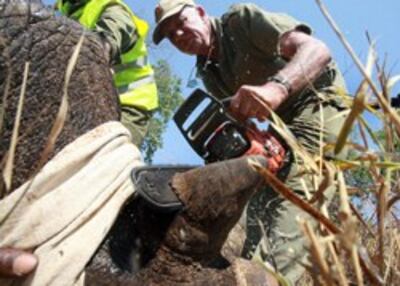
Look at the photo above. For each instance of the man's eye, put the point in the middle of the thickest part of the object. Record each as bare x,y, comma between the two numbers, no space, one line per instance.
183,19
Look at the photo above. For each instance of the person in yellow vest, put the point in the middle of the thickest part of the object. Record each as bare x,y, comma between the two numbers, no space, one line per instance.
124,35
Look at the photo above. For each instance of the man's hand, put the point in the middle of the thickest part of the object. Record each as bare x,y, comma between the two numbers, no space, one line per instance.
253,101
14,262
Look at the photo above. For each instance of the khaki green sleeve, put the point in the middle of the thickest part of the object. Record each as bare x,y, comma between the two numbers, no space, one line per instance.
117,27
262,28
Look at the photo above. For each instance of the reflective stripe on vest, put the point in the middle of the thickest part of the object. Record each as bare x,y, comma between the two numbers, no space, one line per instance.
139,63
134,63
136,84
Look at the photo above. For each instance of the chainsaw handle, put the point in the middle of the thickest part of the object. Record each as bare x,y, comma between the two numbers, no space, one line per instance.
226,102
246,124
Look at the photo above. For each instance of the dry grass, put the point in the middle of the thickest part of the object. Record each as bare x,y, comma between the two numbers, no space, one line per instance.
63,109
9,162
358,244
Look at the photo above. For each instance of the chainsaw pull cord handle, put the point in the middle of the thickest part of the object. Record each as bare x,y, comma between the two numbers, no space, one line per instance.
225,103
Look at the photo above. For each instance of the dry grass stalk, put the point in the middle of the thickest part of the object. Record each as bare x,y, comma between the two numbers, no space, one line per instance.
9,165
358,106
317,253
321,139
392,259
338,265
288,194
357,267
372,134
387,109
382,211
328,180
345,210
392,201
363,135
349,236
63,109
361,219
300,152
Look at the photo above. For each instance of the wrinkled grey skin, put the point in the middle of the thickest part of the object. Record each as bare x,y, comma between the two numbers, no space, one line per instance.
30,34
144,247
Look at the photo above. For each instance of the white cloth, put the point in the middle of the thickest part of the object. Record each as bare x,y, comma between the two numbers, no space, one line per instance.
65,212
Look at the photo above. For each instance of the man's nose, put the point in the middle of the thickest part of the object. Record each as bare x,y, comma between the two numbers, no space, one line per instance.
179,33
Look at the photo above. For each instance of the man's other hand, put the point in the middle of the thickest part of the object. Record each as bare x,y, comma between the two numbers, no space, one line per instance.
14,262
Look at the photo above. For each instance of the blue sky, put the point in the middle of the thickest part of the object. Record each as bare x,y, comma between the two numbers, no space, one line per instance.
354,17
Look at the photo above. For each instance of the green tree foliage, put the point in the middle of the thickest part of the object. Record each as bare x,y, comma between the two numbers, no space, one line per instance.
361,177
170,97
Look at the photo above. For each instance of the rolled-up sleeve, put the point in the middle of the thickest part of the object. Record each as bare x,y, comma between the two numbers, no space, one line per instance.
264,29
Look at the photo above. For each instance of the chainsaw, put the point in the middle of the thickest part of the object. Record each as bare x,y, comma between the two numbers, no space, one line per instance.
215,135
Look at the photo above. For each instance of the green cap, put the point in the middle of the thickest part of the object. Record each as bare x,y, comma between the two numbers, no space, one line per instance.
166,9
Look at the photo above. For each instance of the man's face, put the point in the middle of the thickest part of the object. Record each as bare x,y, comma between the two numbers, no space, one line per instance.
189,31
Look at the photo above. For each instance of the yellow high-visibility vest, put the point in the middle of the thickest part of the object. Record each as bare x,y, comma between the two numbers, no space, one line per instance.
134,76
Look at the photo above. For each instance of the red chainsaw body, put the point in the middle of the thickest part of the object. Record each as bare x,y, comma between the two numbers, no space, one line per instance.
215,135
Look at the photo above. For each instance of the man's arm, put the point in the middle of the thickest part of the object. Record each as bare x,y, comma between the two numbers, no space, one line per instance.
14,262
307,57
118,29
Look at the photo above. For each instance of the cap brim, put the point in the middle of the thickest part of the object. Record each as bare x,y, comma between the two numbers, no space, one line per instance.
157,35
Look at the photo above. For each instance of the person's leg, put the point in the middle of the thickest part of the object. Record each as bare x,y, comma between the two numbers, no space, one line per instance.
284,246
281,242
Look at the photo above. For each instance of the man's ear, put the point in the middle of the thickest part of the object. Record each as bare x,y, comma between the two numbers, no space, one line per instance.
201,11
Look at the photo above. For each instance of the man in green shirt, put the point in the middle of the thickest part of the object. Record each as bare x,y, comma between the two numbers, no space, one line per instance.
123,34
264,59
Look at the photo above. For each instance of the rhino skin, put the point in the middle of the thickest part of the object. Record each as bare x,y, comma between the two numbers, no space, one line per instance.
143,247
29,33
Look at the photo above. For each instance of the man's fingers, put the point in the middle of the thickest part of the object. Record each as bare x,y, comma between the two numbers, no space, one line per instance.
15,262
235,107
235,104
24,263
243,105
247,109
248,104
